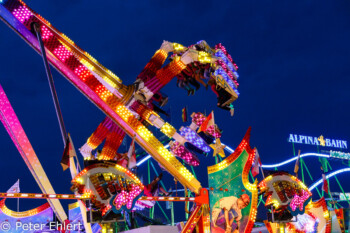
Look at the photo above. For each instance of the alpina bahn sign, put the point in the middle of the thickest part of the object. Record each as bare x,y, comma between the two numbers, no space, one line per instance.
318,141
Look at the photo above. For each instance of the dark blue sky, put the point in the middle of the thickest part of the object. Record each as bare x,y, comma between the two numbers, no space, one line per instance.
293,59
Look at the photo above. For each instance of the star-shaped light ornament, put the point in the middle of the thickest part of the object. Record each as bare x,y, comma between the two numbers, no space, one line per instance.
321,140
218,148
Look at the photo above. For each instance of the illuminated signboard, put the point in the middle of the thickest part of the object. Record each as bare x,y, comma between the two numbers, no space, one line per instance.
339,155
317,141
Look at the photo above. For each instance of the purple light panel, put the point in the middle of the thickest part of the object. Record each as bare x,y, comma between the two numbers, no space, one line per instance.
194,138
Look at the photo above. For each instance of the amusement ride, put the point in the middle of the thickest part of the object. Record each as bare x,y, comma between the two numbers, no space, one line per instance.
109,193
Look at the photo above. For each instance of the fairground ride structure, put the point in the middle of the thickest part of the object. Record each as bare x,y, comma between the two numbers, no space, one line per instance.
131,109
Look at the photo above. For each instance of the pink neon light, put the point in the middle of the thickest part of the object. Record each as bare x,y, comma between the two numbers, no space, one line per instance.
45,33
82,72
198,118
223,49
213,131
298,201
126,198
223,65
13,127
22,13
62,53
183,153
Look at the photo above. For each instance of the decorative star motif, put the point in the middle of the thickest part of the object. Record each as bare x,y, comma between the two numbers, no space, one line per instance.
218,148
321,140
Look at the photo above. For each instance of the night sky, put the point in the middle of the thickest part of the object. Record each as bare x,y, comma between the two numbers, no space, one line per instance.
293,60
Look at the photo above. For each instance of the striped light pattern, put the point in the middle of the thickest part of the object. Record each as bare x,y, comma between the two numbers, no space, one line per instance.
223,49
231,74
43,196
220,54
223,74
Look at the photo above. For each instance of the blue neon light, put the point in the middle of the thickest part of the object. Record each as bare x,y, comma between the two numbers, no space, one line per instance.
293,159
143,160
329,176
313,186
194,138
221,72
226,60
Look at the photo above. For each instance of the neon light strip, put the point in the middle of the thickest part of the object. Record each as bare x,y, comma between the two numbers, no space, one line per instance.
328,176
295,158
10,121
229,149
143,160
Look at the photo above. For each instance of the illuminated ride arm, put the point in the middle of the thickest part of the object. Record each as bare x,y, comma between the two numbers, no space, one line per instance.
85,74
96,138
163,76
114,136
156,62
149,72
113,141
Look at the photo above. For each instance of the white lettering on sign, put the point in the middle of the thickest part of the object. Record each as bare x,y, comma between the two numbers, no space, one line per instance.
317,141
